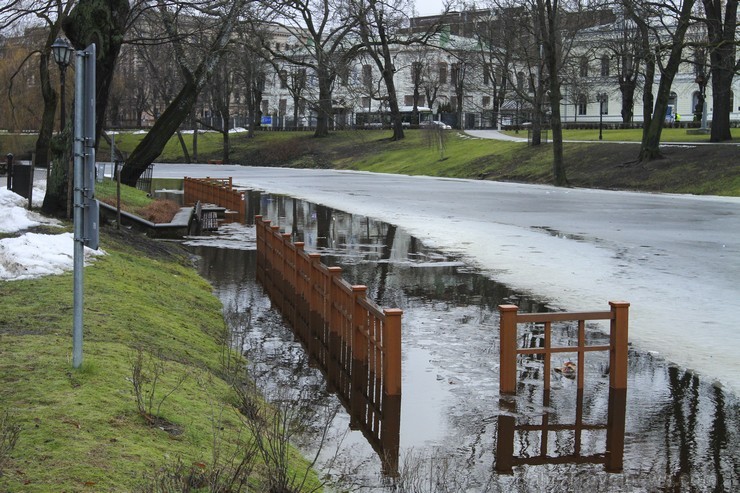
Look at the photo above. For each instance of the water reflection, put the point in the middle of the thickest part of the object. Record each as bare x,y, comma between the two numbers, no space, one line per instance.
681,433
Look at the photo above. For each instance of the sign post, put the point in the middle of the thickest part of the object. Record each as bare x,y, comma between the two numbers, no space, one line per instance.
85,206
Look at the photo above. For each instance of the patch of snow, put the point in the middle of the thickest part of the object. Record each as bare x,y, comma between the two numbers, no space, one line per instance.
32,255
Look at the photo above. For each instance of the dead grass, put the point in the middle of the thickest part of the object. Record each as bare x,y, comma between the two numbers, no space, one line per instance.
159,211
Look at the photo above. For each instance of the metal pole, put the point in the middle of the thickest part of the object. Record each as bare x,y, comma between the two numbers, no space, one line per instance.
79,249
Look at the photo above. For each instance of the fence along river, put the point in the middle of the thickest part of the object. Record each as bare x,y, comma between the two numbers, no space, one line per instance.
679,430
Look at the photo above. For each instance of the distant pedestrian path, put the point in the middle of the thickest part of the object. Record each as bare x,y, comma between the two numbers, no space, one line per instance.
495,135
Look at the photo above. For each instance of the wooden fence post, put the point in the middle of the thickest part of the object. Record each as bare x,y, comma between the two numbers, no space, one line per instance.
392,351
507,337
618,336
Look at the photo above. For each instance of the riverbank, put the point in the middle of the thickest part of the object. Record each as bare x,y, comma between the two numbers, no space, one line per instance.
154,404
690,164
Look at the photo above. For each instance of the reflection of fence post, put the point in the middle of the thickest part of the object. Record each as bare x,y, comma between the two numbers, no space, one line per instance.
506,427
507,337
316,323
618,351
359,358
392,350
615,430
332,317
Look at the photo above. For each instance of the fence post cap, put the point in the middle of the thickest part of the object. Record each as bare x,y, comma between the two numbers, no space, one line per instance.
335,270
393,312
357,288
619,304
508,308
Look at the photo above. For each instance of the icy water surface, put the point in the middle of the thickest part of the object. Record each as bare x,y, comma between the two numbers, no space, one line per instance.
680,433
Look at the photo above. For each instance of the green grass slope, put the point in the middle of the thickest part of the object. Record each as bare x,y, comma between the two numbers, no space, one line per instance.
80,430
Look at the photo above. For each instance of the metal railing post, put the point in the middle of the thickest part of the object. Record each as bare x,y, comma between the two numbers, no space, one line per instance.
507,337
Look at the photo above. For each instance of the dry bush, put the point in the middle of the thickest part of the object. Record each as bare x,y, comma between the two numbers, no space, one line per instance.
9,433
159,211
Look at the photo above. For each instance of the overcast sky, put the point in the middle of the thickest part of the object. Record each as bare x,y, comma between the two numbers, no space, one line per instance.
429,7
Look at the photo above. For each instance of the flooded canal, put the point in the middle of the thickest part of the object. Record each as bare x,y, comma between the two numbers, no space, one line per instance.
674,432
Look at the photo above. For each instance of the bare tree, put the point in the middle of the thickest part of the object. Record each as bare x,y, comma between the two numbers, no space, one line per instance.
383,28
722,46
218,19
50,14
319,31
663,28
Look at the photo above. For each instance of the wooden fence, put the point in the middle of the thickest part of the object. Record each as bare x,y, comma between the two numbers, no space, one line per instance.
355,343
219,191
612,457
617,347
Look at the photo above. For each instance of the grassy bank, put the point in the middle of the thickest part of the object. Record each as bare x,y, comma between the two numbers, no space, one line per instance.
83,430
611,164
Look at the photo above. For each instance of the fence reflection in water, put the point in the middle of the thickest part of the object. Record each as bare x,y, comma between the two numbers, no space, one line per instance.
355,343
539,451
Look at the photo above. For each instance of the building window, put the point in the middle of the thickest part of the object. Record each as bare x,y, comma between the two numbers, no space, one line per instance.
283,106
283,79
442,73
455,73
584,66
520,81
365,102
487,76
265,107
367,75
486,101
605,66
408,100
422,101
582,104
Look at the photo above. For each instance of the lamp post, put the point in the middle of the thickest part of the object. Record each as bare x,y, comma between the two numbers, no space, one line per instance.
62,52
601,98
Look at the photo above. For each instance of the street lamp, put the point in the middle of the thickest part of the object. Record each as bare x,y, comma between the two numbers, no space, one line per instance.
601,98
62,52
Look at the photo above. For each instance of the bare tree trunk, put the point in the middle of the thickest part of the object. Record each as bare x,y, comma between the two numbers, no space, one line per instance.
43,142
722,45
154,141
324,106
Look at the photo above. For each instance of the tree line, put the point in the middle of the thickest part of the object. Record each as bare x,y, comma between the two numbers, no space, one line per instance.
527,49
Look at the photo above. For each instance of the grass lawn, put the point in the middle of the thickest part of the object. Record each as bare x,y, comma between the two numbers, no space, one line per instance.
81,430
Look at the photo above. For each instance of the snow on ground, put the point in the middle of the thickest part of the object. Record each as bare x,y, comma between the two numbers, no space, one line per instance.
31,255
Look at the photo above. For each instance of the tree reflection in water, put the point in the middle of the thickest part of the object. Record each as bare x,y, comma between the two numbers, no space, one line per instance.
681,432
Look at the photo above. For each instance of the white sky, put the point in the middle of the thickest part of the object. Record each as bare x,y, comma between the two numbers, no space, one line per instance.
429,7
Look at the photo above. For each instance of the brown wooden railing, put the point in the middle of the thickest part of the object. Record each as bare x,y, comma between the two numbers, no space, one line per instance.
612,457
355,343
219,191
617,346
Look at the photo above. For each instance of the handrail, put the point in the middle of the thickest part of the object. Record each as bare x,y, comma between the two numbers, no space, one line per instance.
219,191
